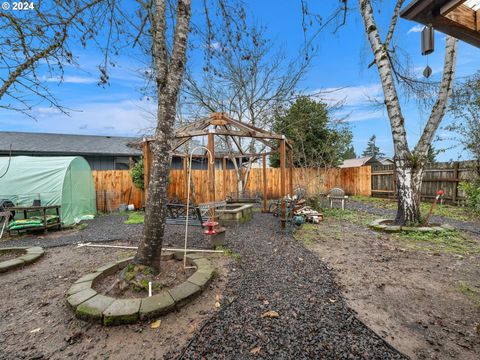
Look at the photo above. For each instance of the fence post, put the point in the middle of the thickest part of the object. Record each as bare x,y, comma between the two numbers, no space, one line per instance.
455,184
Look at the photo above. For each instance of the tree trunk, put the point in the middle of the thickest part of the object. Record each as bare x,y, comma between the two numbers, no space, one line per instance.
169,74
409,165
409,182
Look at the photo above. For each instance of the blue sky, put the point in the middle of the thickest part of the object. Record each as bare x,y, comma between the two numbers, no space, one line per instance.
120,109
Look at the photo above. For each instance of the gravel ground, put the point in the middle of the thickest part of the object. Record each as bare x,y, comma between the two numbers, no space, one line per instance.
274,273
277,273
101,229
371,209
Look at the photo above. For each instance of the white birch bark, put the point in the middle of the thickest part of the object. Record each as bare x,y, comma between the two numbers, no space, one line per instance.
409,165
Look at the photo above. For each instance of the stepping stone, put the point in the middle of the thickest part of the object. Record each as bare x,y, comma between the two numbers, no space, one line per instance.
156,305
88,277
122,311
10,264
29,258
201,278
35,250
182,293
93,308
79,287
80,297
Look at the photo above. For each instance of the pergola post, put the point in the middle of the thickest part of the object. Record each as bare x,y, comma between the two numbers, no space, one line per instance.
185,175
290,172
211,172
224,166
283,187
264,173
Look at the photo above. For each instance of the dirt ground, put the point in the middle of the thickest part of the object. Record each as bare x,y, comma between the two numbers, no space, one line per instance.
424,303
35,322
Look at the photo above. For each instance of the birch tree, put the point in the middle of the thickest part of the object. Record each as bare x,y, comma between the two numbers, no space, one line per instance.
409,163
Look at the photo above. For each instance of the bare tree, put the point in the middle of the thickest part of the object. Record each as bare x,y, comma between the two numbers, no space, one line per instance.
160,27
409,164
466,124
248,81
35,47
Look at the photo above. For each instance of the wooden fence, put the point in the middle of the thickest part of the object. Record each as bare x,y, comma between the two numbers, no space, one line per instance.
355,181
445,176
115,187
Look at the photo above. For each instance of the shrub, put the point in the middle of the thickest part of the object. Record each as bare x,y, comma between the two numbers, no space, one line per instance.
472,192
137,175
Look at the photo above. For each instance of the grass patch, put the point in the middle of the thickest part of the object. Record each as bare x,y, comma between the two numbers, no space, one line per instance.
229,252
449,242
472,294
307,234
356,217
443,210
135,217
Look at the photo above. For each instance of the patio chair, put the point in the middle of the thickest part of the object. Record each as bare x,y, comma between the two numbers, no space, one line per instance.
337,196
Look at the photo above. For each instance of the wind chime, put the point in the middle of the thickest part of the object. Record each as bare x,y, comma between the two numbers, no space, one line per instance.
428,47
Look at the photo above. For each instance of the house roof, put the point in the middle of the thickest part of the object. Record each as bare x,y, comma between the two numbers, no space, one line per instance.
348,163
357,162
67,144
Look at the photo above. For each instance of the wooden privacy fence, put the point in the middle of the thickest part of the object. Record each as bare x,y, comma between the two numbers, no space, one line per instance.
445,176
115,187
355,181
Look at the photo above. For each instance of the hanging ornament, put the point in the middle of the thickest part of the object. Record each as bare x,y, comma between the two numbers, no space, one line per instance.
427,72
428,46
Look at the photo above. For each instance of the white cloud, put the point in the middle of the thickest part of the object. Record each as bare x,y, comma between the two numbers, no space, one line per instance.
122,118
69,79
361,114
352,95
415,29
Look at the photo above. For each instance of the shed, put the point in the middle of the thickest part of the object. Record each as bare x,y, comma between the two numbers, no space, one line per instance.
62,180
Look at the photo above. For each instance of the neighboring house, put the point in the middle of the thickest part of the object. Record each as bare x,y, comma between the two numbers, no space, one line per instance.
101,152
368,160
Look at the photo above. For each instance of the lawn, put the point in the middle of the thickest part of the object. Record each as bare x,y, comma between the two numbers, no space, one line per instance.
444,210
135,217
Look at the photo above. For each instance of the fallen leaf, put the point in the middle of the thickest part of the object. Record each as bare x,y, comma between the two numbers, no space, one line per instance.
332,300
217,304
270,314
265,302
35,330
218,297
256,350
156,324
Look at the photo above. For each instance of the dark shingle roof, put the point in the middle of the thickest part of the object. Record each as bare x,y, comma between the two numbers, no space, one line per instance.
66,144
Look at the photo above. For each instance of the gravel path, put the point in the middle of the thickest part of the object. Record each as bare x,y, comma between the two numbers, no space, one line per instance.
277,273
101,229
371,209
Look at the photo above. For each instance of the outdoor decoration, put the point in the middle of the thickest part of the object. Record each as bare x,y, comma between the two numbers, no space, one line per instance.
439,195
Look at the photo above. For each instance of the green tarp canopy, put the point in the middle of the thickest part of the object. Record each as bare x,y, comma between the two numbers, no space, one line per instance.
60,180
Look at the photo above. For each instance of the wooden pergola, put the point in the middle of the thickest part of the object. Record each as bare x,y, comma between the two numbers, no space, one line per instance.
220,124
458,18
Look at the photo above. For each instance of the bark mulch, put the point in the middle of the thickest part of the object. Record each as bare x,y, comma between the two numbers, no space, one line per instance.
276,273
389,213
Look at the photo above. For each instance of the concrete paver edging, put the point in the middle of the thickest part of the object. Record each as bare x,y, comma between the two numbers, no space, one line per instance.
31,255
385,225
88,304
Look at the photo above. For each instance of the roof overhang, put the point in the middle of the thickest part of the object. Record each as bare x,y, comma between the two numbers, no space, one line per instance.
458,18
